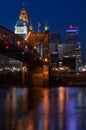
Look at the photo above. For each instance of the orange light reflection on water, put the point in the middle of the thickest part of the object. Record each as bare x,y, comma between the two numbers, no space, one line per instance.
61,98
46,110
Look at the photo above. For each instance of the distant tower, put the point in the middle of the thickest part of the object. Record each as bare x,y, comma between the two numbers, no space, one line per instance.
46,28
72,34
31,28
24,16
21,27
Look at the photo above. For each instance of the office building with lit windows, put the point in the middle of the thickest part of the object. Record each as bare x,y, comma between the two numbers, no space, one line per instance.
72,34
70,52
70,55
55,39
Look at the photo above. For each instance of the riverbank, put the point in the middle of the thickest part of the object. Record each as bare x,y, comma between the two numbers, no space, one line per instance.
11,78
68,78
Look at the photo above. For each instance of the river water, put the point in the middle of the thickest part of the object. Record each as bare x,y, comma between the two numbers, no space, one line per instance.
55,108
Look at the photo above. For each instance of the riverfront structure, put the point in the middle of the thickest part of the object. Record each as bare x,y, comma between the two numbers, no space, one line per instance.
72,34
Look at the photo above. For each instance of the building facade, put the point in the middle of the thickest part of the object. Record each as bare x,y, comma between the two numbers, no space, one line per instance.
72,34
55,39
70,51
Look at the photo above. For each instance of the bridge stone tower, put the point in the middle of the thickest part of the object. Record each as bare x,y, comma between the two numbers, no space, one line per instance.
40,42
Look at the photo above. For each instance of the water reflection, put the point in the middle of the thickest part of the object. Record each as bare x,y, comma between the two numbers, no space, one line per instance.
43,109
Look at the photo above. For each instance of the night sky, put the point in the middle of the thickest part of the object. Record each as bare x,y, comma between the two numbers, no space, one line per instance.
58,14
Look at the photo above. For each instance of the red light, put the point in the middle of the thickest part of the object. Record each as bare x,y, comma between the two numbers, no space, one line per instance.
34,58
7,47
73,27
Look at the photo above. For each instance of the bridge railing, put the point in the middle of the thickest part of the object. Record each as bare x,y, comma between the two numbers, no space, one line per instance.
10,37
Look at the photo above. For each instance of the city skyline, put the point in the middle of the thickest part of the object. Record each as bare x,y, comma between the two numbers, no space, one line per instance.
58,14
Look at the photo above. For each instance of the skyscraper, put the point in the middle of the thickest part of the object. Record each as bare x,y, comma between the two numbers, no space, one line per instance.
21,27
24,16
72,34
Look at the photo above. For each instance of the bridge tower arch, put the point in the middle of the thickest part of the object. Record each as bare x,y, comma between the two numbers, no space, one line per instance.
41,42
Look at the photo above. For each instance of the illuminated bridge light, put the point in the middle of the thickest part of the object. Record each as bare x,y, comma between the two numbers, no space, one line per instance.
18,42
46,60
6,47
22,53
35,47
34,58
26,47
40,58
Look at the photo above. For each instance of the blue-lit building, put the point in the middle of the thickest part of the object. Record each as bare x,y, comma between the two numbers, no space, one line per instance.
72,34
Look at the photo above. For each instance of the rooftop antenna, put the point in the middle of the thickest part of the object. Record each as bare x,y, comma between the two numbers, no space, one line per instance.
39,24
46,27
23,3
